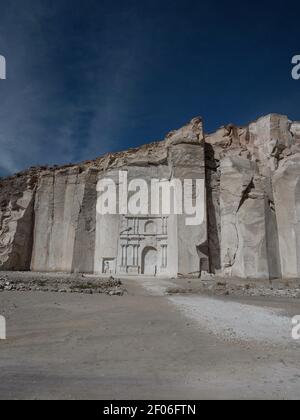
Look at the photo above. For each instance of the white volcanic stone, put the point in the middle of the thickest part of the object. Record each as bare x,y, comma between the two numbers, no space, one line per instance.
16,222
58,221
251,226
243,233
191,133
270,136
286,184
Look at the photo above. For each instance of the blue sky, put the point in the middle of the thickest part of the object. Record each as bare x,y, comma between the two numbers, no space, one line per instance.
86,77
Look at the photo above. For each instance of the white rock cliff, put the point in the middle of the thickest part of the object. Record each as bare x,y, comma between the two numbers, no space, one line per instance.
251,229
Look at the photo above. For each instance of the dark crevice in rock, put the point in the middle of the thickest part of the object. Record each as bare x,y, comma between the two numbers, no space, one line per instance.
245,194
213,208
271,205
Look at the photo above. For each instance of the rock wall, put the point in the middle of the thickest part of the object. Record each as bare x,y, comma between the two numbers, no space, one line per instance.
187,161
286,184
48,218
17,196
253,198
65,207
181,157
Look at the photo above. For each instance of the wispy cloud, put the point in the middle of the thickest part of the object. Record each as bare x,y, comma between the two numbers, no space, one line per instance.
87,77
37,116
68,98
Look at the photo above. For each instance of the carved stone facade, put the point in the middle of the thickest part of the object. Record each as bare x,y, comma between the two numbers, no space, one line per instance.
143,246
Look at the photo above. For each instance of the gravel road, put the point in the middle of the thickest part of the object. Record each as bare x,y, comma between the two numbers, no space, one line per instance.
147,344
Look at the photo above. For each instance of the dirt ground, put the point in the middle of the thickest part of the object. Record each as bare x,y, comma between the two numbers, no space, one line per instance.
148,344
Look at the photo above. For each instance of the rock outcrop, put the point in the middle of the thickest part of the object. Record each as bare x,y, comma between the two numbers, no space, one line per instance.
17,195
251,229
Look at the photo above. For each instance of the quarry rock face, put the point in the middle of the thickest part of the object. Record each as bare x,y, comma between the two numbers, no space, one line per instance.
255,198
251,195
16,221
64,232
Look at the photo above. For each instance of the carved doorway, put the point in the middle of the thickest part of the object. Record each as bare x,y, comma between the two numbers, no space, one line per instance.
149,261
